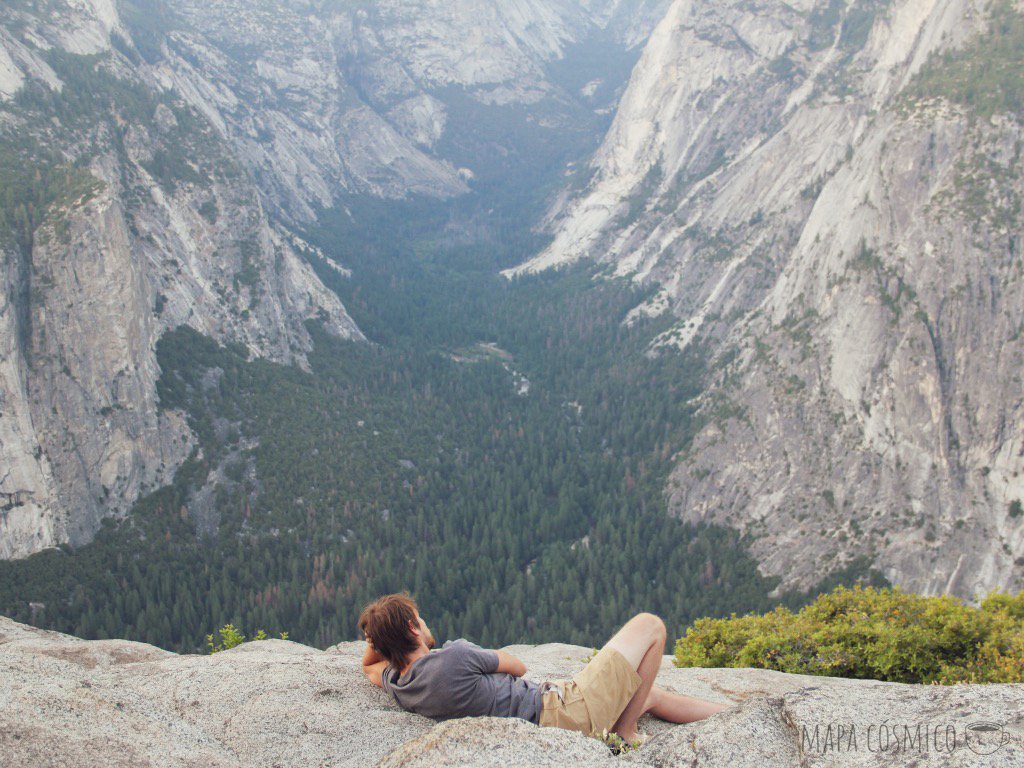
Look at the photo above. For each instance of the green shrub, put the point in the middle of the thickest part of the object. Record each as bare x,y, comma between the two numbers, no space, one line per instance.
881,634
230,637
618,745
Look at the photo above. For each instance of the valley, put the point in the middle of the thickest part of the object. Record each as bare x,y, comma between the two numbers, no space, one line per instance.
548,317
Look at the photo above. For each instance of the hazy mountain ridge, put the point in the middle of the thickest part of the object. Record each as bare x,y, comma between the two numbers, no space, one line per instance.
819,220
324,99
270,81
125,215
842,232
173,139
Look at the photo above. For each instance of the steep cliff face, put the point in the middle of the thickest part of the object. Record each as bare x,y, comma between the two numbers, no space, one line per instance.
153,154
124,215
269,79
828,194
323,99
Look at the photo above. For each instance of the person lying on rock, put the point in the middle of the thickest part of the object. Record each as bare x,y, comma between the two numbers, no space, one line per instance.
462,680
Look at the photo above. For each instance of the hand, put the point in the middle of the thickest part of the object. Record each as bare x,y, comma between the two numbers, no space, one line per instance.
371,655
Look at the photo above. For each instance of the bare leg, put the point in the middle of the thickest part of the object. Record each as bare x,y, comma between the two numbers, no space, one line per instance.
625,726
642,642
676,708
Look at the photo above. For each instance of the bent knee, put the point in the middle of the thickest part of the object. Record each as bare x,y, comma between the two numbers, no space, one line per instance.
653,624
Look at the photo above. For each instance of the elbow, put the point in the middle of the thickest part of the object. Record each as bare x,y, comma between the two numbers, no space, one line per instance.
510,665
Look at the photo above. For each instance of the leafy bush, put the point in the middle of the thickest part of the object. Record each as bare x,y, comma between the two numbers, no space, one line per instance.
230,637
618,745
882,634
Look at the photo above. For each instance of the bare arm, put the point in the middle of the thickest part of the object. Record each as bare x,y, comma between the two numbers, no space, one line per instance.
510,664
370,655
373,664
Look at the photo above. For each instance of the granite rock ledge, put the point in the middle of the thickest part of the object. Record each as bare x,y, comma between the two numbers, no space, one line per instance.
115,703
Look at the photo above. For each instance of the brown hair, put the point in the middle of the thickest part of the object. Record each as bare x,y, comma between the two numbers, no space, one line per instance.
385,622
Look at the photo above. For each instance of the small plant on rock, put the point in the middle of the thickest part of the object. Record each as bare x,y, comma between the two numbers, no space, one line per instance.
617,744
231,637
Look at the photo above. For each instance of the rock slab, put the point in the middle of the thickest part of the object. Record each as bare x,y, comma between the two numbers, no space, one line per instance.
115,703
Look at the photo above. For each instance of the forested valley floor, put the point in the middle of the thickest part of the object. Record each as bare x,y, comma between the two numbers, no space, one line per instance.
499,449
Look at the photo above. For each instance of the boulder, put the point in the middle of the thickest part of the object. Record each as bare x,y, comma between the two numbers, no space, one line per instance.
114,703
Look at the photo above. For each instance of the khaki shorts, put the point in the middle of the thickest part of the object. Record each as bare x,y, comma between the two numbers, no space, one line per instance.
593,700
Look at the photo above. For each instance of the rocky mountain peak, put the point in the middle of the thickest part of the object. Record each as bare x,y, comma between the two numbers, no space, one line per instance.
829,209
139,219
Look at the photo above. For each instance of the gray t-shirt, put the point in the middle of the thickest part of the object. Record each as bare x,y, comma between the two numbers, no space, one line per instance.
460,680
